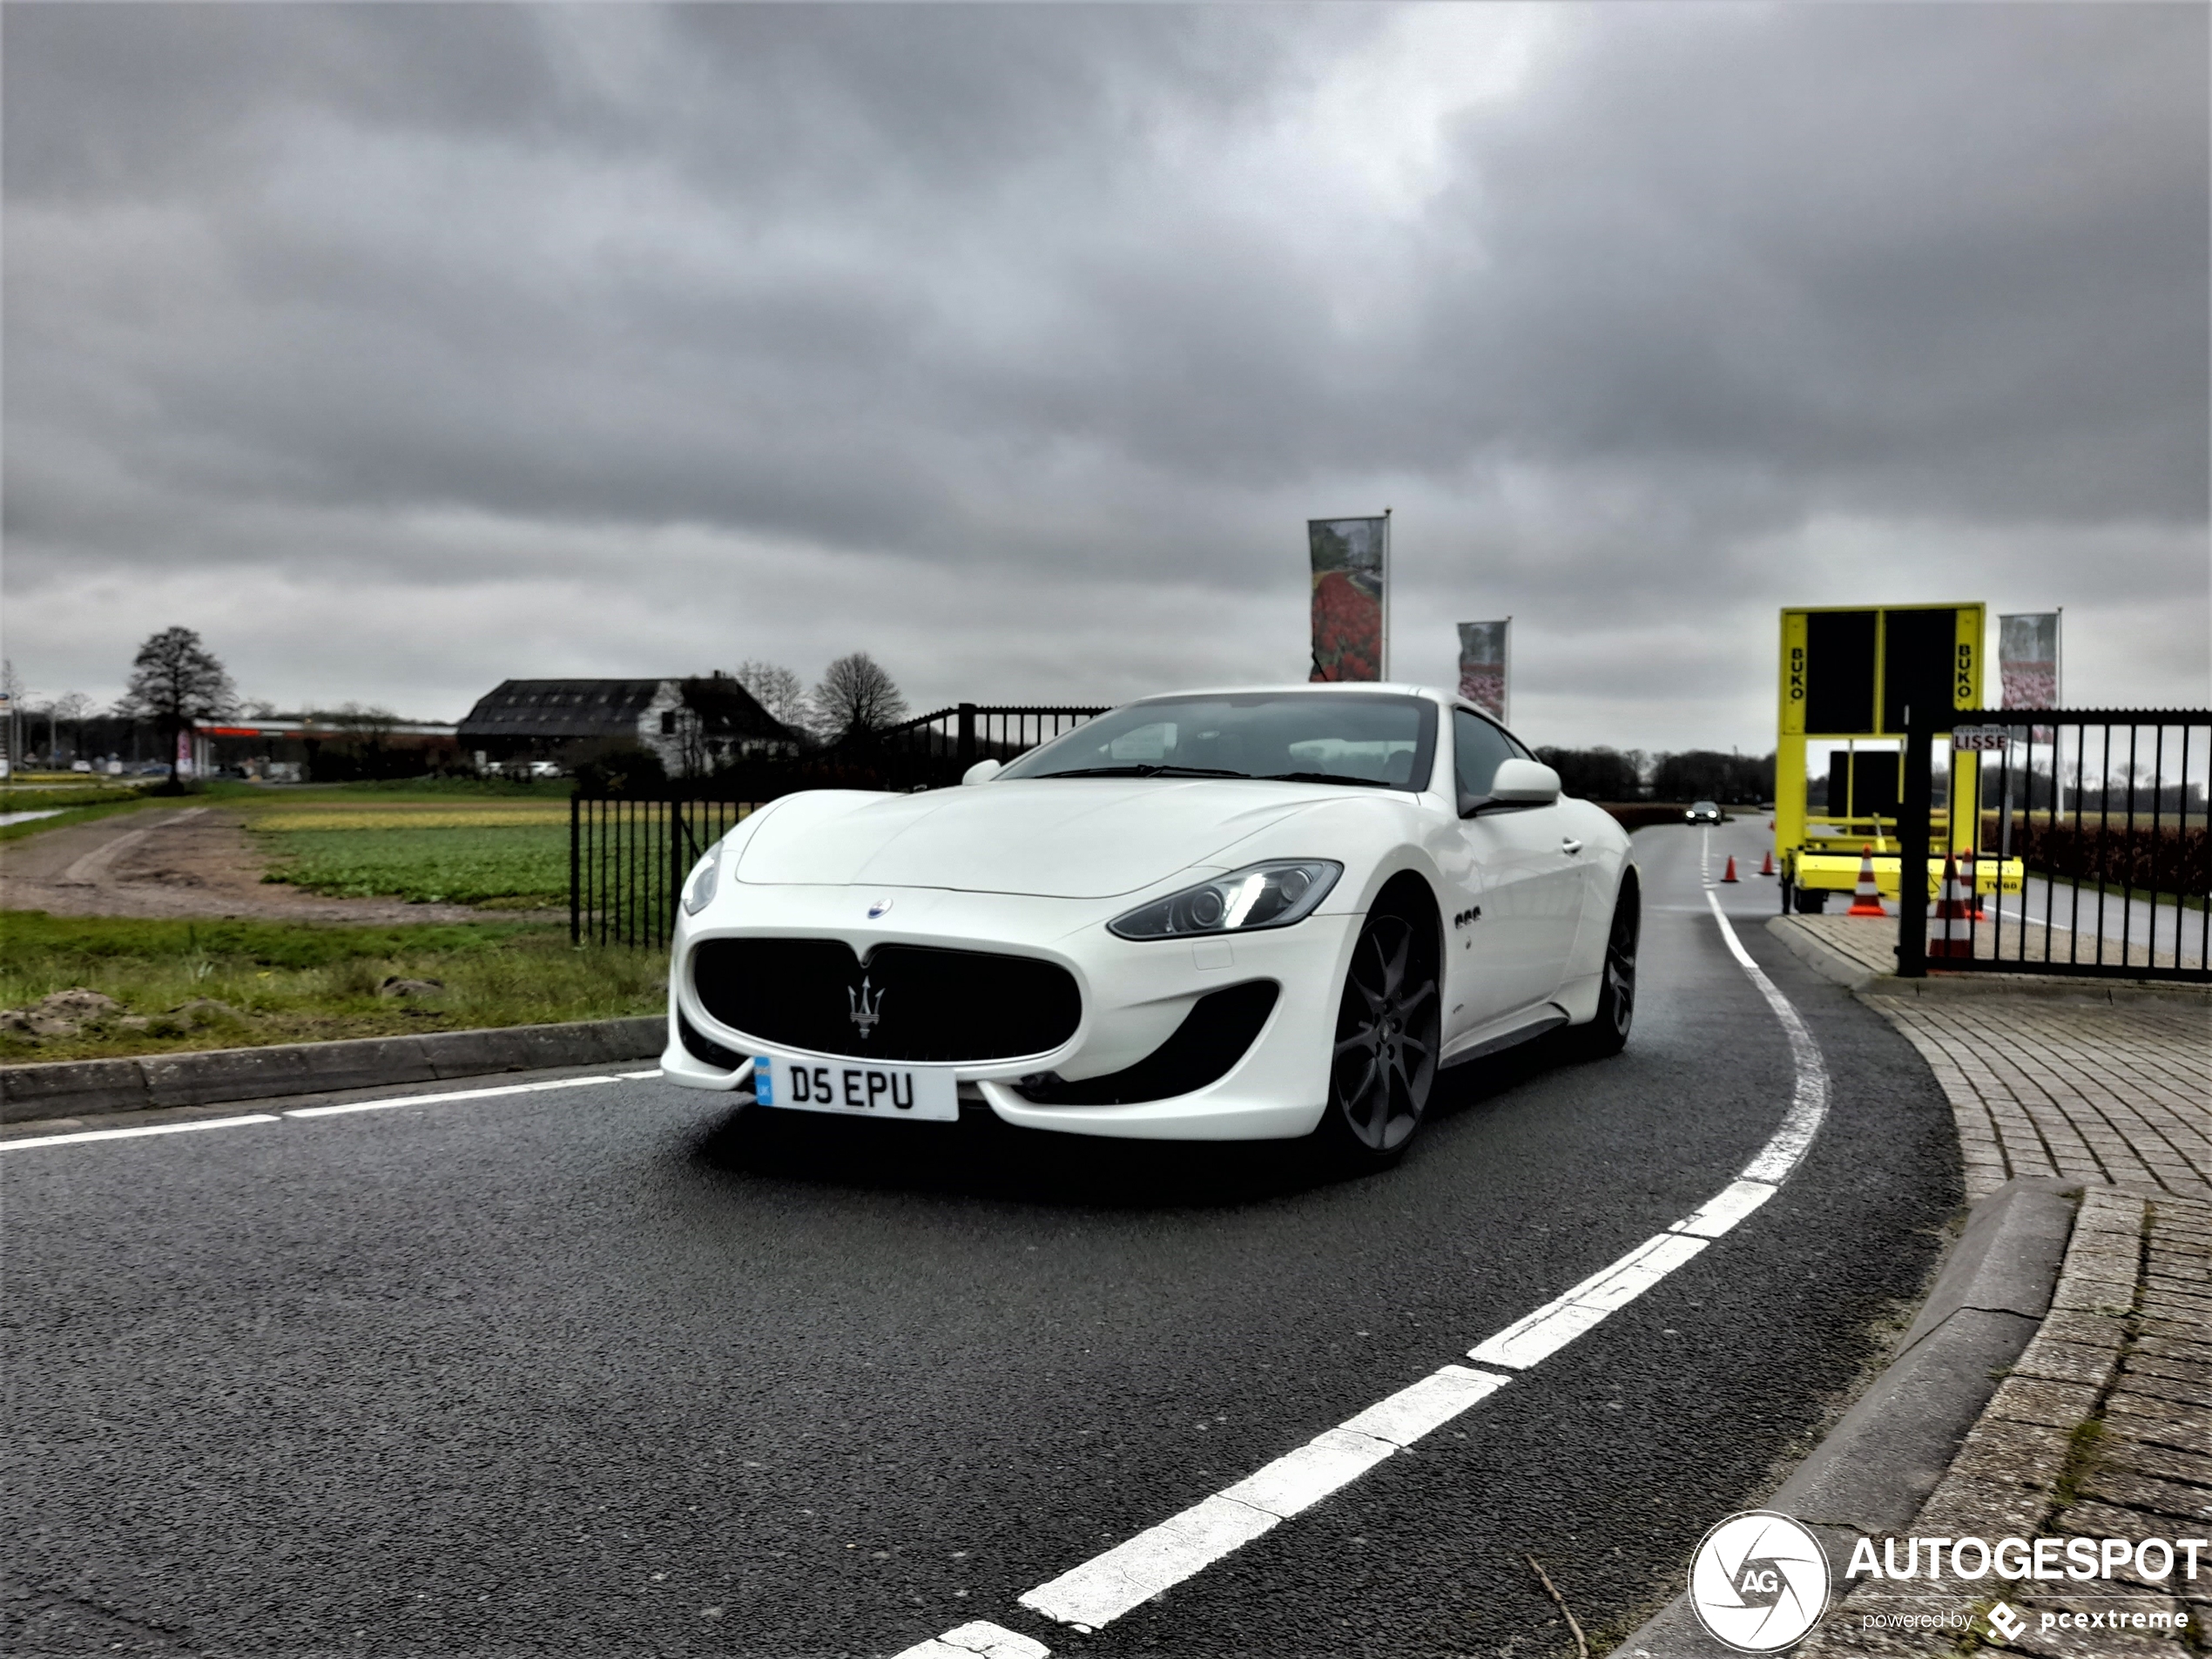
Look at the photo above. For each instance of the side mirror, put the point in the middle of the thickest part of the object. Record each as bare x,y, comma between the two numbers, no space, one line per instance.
983,770
1524,783
1516,783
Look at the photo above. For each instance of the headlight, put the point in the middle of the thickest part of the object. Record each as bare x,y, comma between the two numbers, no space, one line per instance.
1274,894
699,886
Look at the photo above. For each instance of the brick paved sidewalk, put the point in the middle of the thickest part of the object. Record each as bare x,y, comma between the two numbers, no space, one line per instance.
2103,1429
2118,1093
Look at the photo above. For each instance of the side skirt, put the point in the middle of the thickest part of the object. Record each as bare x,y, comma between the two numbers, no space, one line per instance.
1548,1019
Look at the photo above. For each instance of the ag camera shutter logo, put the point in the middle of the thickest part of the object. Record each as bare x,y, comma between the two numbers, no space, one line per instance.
1759,1581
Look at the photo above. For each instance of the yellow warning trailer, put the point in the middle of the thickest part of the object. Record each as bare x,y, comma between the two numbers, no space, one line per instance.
1854,674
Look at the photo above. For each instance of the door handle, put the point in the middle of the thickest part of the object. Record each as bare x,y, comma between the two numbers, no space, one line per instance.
1569,846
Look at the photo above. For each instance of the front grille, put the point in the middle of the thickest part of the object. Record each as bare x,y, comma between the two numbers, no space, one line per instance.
927,1004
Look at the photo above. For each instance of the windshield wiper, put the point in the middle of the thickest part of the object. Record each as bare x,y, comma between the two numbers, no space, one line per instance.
1145,771
1326,778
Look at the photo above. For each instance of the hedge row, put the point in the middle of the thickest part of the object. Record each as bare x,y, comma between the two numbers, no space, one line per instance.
2167,859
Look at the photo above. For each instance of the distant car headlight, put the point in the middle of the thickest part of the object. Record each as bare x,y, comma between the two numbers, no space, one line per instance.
1273,894
699,886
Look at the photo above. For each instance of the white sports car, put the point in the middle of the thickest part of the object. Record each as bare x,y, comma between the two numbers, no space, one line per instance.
1215,915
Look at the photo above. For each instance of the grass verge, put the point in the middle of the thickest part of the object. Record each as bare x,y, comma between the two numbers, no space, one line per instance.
291,982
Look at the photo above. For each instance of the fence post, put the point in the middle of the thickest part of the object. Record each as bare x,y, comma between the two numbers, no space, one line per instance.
1913,813
576,870
965,751
665,913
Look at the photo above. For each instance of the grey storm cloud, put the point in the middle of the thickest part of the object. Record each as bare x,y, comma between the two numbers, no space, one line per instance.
1024,336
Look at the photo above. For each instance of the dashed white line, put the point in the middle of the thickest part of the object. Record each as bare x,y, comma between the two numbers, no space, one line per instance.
135,1132
1134,1571
990,1640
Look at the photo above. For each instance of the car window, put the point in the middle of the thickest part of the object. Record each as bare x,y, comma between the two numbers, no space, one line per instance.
1312,737
1477,747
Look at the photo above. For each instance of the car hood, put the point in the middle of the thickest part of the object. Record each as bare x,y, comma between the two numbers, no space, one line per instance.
1053,838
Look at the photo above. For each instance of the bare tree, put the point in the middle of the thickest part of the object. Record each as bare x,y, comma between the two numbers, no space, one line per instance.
780,691
175,681
857,697
72,707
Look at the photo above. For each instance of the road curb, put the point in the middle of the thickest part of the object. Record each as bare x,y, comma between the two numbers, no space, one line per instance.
90,1088
1880,1463
1832,964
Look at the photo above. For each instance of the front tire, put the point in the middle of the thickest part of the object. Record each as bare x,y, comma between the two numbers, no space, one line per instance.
1607,1033
1388,1038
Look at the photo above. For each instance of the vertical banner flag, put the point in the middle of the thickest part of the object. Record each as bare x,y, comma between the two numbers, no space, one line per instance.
1483,661
1350,579
2027,660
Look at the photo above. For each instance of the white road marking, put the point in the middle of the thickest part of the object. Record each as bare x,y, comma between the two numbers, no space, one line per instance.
132,1133
1301,1478
1610,1289
1109,1585
1411,1412
385,1105
1135,1571
1809,1101
1735,1202
989,1641
456,1094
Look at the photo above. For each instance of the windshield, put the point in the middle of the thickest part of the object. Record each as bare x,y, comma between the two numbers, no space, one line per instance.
1382,741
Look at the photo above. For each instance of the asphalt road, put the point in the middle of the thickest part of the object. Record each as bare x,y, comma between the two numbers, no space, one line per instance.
611,1370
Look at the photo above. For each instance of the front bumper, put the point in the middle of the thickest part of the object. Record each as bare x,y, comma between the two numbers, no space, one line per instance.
1134,996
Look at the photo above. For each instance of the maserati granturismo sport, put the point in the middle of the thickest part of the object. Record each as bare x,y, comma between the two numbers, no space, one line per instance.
1215,915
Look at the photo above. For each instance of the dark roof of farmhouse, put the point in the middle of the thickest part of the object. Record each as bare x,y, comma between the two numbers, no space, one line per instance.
611,708
560,709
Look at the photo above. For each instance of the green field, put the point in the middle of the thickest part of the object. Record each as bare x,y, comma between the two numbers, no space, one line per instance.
507,865
291,982
457,841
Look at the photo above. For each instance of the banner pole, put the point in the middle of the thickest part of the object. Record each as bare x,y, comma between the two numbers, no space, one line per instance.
1384,667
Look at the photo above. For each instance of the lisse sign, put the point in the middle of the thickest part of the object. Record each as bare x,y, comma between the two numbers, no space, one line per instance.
2155,1559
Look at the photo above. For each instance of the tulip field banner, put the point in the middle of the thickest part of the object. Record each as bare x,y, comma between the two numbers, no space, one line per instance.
1351,576
1484,659
2027,660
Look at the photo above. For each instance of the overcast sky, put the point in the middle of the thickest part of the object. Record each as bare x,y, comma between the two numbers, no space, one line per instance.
403,349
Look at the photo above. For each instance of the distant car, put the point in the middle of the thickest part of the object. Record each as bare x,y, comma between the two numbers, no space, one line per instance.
1223,915
1701,812
544,769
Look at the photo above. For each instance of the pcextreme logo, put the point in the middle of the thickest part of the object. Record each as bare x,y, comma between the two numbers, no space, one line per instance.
1758,1581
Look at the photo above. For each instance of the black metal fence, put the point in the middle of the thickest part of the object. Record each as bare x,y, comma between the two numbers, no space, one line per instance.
628,854
2106,811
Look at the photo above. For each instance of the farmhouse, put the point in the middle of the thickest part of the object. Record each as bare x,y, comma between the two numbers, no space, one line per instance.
693,725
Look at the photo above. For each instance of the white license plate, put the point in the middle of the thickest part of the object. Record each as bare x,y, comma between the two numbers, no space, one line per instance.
855,1090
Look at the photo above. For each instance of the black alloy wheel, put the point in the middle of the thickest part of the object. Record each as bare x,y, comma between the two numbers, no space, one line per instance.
1389,1034
1616,999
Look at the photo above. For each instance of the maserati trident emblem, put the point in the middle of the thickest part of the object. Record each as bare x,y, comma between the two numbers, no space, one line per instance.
876,906
866,1010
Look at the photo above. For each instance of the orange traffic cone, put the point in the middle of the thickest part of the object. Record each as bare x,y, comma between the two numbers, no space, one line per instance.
1730,874
1866,900
1766,864
1951,931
